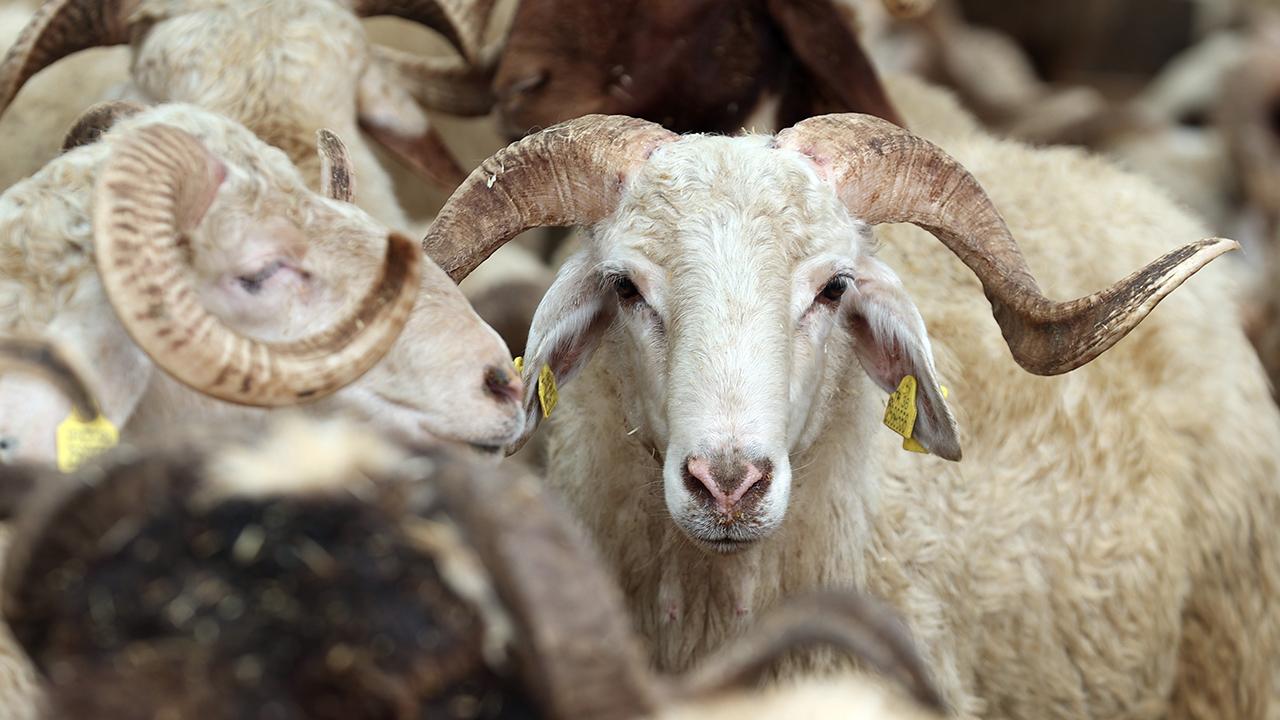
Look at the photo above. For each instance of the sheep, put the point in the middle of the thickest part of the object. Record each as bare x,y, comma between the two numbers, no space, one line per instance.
328,288
707,66
260,63
1099,552
323,571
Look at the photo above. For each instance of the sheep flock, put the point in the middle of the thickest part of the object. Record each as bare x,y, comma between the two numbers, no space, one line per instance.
639,359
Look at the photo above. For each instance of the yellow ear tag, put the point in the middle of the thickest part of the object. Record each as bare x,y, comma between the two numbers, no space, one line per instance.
78,440
900,415
519,363
547,393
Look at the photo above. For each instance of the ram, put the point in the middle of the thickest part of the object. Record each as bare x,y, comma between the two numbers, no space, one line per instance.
321,571
177,235
284,69
735,323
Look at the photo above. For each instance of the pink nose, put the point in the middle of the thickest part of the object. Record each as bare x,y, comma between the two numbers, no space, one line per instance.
726,480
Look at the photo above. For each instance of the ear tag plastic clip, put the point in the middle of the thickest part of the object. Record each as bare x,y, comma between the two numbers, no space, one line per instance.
548,394
78,440
900,415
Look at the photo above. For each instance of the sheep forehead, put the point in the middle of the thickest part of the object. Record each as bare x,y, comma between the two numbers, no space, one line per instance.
706,202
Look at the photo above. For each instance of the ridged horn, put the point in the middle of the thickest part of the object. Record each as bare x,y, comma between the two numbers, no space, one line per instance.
446,84
146,194
337,180
568,174
885,174
58,29
461,22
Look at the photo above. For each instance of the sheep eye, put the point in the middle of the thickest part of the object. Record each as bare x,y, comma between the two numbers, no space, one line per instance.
834,289
626,289
252,284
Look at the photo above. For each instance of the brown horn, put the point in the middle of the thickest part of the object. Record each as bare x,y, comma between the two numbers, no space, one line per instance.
461,22
337,181
142,203
577,650
868,631
97,120
446,84
568,174
45,359
884,174
58,29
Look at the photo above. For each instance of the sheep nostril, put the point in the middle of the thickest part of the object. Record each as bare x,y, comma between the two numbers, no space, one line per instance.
503,385
699,481
729,484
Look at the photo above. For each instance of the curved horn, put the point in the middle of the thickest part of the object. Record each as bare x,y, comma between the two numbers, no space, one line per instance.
868,631
58,29
45,359
446,84
577,650
337,181
568,174
146,194
461,22
97,120
885,174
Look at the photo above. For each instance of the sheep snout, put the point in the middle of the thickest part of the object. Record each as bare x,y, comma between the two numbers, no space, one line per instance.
726,500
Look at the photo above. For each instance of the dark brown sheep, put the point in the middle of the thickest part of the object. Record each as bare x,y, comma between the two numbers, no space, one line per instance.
691,65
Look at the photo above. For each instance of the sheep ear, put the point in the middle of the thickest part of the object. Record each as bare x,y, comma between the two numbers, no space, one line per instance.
566,329
891,343
831,55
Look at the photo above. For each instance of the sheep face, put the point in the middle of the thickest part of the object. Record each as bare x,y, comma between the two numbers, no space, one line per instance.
728,272
272,260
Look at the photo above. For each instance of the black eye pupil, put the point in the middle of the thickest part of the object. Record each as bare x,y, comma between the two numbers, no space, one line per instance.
834,289
626,289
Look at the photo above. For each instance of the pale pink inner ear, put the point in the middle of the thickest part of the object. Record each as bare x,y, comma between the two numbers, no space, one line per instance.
891,343
567,327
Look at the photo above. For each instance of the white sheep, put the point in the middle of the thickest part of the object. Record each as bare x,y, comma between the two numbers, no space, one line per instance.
284,69
1102,549
325,286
